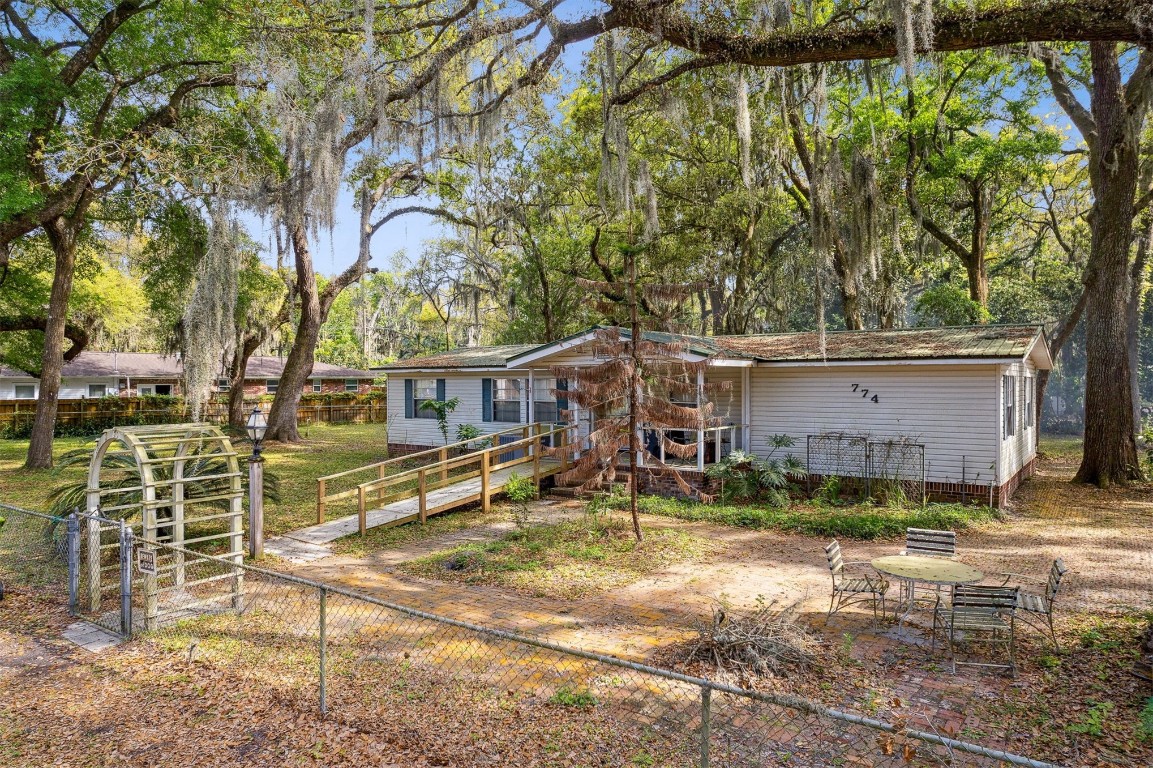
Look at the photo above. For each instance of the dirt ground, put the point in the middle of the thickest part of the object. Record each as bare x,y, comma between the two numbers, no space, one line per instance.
1104,538
134,707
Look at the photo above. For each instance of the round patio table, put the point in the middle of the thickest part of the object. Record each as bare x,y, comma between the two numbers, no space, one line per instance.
911,569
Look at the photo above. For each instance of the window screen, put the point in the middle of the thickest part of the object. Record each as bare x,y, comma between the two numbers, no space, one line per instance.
544,406
506,400
1008,386
422,390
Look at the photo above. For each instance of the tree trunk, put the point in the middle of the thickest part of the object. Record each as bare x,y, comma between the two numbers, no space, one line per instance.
975,266
297,368
237,418
1110,448
1133,319
850,301
62,235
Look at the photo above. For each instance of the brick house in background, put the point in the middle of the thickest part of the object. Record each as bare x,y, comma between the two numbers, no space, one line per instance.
262,377
101,374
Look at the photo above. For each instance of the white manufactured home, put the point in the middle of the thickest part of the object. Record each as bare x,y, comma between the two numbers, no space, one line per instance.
966,396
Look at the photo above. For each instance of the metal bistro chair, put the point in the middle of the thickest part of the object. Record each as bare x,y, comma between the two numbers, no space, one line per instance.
925,542
857,589
977,611
1037,610
929,543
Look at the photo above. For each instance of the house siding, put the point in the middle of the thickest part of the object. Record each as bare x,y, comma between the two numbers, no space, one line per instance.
416,434
951,409
1017,450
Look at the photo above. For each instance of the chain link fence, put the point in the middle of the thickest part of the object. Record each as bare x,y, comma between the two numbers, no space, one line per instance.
359,658
33,549
370,662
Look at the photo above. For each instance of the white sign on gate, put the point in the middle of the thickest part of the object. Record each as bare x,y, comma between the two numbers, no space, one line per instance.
146,561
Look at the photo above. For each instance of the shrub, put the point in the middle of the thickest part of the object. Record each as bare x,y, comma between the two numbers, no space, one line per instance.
745,476
469,433
520,491
861,522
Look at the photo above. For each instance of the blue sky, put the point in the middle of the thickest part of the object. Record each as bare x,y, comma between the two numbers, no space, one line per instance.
333,251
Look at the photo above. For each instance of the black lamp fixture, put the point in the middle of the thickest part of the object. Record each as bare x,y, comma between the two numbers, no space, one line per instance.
257,426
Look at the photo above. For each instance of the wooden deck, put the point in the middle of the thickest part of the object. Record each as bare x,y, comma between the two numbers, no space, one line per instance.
307,544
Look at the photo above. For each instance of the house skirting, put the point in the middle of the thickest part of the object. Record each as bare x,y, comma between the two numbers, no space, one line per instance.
660,482
404,449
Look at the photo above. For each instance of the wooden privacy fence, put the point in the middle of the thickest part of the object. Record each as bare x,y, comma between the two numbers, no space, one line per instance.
445,463
98,414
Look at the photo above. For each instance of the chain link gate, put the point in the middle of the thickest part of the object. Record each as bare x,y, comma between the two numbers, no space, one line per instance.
100,571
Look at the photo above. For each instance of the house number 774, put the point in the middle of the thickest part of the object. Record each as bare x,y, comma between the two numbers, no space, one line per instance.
865,393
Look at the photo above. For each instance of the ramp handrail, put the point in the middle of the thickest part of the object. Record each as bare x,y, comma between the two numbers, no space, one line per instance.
323,498
530,444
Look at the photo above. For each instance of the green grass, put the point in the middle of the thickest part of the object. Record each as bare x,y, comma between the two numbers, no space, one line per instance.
850,522
578,698
1064,448
326,449
376,539
566,559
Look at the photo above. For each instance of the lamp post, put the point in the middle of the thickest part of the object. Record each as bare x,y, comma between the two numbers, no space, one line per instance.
257,426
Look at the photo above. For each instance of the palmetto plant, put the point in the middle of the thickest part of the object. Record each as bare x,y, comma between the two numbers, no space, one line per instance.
121,475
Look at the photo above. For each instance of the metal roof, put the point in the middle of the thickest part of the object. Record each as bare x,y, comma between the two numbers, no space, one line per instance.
968,342
464,357
961,343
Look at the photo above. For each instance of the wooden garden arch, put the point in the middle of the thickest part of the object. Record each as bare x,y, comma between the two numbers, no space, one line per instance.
189,477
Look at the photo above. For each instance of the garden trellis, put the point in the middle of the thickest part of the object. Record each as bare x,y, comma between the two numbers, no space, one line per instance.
177,484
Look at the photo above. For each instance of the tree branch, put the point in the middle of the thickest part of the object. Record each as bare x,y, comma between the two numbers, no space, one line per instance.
1064,95
1071,20
77,334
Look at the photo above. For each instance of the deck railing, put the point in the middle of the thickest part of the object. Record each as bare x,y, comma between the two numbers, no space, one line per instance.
704,437
416,482
438,458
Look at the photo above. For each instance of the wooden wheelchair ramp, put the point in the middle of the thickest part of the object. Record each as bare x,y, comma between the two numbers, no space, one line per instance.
414,494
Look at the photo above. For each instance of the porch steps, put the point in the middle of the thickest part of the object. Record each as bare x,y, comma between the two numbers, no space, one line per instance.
624,479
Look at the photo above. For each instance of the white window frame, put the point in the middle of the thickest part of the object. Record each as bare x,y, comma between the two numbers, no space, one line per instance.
1028,402
355,385
146,389
1009,393
422,390
103,391
271,385
543,397
223,385
513,391
16,392
317,385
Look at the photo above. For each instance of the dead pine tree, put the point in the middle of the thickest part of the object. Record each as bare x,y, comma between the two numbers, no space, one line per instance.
640,384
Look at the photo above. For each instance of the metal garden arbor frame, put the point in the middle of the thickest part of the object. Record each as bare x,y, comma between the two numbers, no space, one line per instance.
190,480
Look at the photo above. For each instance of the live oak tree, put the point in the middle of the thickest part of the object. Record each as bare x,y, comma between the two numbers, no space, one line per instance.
86,92
1111,126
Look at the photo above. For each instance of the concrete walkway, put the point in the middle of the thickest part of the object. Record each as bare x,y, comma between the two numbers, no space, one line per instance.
311,543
